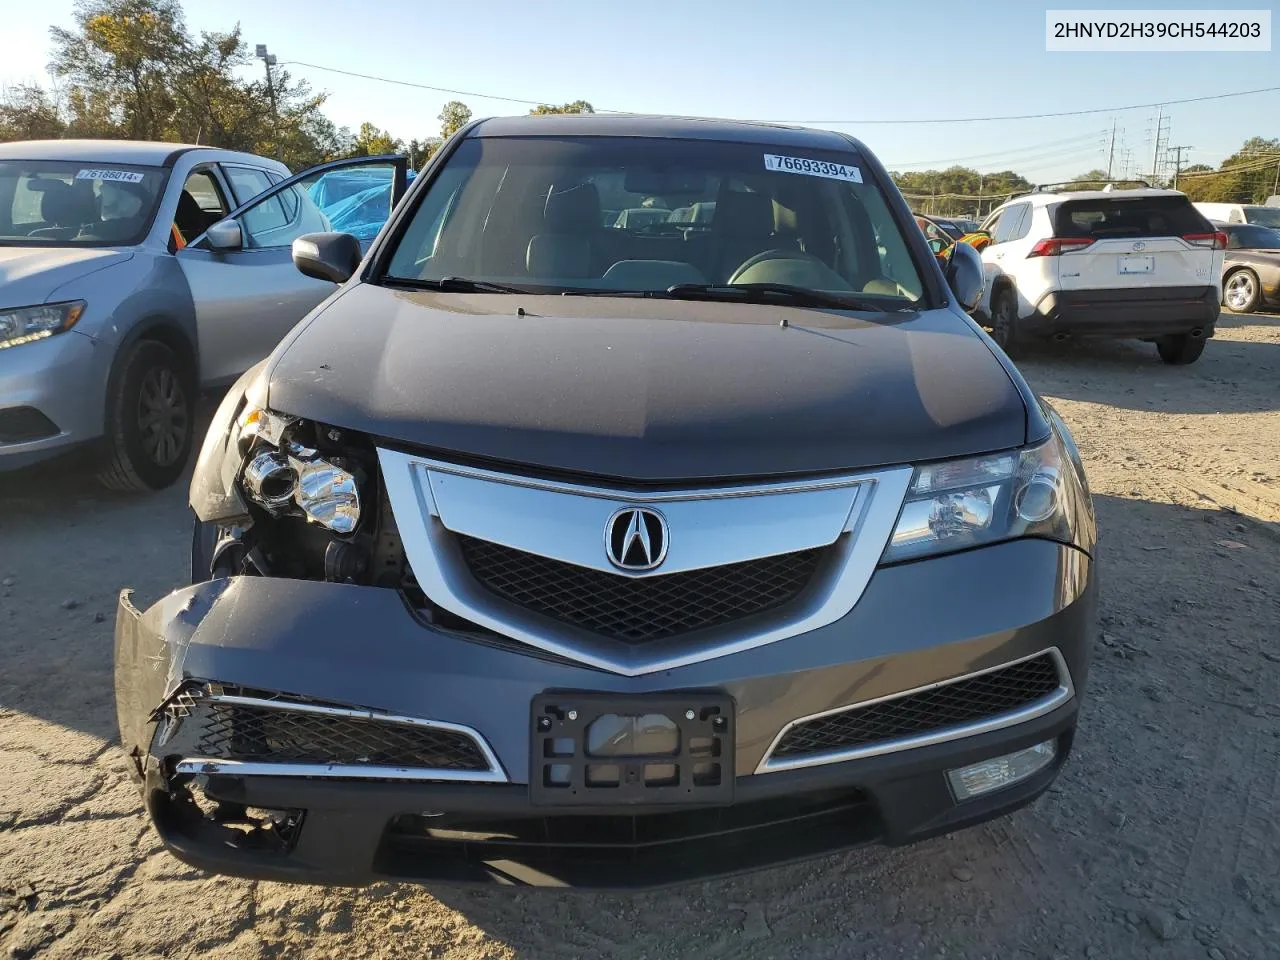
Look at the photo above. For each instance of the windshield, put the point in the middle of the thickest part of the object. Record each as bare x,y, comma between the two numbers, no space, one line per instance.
643,215
63,203
1263,216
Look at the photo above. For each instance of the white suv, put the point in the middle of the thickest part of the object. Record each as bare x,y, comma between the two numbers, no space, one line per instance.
1114,262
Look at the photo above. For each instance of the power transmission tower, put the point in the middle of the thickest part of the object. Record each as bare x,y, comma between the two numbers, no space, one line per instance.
1161,135
1177,162
1111,150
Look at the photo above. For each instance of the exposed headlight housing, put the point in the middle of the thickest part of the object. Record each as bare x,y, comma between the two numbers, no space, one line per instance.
1034,492
282,475
28,324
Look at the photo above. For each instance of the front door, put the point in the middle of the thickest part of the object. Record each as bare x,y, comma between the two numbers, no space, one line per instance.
248,298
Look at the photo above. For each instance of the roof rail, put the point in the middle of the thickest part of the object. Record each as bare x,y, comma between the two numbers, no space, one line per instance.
1083,184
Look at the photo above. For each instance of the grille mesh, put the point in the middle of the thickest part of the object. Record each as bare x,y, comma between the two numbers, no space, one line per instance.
965,701
239,732
639,610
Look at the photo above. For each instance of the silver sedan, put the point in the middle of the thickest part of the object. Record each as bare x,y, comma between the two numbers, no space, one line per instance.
133,275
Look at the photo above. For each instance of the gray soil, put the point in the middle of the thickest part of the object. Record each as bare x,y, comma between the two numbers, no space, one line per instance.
1161,838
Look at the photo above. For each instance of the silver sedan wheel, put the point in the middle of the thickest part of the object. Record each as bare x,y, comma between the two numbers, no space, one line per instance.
1240,290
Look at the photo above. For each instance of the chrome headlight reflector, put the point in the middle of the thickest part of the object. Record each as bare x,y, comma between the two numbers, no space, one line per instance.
281,474
28,324
965,503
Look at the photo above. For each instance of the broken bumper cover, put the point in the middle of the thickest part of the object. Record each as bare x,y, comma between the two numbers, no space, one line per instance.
465,811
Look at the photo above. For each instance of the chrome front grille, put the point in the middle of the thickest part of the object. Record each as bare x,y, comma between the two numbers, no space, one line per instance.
961,707
235,731
639,610
209,729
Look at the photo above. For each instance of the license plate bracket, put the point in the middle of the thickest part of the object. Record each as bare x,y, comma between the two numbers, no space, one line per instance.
1140,264
599,749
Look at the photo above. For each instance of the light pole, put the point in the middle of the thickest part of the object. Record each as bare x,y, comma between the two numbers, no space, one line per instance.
269,61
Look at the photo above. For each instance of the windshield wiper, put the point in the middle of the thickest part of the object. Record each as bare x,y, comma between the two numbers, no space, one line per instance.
780,292
454,285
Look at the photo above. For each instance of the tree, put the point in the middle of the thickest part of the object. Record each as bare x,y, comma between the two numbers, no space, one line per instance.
28,113
1093,176
1247,176
371,141
124,50
453,117
578,106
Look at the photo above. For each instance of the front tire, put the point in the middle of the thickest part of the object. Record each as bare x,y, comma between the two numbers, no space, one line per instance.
1004,320
1241,291
1180,350
150,420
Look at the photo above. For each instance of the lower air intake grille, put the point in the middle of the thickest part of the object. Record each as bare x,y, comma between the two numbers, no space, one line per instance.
965,701
639,610
233,731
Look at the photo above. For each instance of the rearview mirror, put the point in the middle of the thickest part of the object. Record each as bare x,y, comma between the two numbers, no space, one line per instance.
964,276
327,256
225,235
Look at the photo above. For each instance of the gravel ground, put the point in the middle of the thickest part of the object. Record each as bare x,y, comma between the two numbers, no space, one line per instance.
1161,838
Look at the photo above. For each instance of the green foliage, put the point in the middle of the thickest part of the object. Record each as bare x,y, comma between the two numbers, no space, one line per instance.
129,69
578,106
958,191
453,117
371,141
1247,176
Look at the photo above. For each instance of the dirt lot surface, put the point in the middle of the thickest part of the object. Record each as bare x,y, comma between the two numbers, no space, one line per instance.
1161,839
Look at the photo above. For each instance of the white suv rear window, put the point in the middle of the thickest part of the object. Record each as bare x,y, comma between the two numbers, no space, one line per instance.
1128,217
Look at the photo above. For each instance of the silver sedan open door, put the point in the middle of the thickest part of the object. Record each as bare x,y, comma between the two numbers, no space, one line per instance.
246,290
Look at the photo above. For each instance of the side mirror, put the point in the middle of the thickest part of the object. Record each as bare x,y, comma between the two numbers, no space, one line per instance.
225,235
327,256
965,275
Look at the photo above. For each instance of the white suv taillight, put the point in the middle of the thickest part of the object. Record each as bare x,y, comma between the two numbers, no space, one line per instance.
1214,241
1054,246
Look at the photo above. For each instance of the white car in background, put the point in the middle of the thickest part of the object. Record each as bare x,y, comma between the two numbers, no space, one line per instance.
1120,263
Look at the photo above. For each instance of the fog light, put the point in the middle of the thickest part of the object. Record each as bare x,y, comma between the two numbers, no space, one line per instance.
981,778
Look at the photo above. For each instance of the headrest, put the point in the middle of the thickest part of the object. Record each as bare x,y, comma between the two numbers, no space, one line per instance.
742,212
558,255
61,205
573,209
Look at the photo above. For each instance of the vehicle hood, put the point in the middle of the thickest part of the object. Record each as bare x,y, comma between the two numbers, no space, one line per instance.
31,275
647,390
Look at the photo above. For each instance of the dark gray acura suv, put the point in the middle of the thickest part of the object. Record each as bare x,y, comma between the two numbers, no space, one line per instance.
643,506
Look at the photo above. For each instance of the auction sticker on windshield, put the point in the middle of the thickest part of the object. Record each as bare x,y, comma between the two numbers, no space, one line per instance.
812,168
115,176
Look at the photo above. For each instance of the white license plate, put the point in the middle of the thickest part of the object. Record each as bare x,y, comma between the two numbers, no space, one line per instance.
1137,264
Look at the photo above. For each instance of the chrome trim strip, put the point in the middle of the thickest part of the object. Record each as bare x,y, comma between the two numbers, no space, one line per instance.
1037,708
702,531
862,529
632,496
348,771
495,773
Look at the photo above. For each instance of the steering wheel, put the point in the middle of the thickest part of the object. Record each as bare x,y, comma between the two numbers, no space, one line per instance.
778,253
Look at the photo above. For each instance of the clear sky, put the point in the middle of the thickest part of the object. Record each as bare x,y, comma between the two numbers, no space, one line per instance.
816,61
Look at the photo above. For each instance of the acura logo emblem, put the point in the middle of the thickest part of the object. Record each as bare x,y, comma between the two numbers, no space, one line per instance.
635,538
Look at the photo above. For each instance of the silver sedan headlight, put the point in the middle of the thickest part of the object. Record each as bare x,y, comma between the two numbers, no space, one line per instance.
28,324
1034,492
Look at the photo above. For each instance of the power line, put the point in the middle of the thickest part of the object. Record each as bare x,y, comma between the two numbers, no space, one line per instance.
1023,116
417,86
1045,116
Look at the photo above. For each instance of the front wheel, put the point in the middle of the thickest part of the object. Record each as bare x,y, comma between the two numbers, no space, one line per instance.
1004,320
150,420
1241,292
1181,349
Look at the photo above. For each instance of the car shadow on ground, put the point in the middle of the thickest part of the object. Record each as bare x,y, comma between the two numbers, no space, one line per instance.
1232,376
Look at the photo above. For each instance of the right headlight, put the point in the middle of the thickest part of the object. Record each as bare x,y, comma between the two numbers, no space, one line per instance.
1034,492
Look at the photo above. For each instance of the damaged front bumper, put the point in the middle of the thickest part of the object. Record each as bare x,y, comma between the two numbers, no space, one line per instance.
322,732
